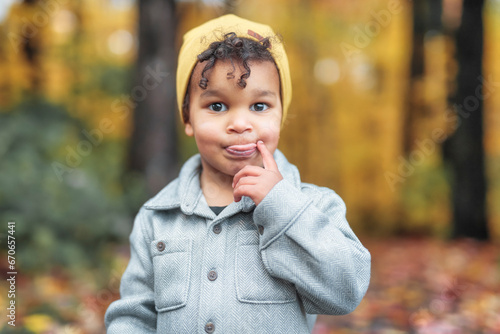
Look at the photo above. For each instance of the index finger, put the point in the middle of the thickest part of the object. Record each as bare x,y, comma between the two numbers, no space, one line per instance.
267,157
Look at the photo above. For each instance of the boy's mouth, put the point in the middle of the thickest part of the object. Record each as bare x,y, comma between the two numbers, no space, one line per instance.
242,150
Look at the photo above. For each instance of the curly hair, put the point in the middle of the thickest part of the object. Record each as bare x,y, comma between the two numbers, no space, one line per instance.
230,48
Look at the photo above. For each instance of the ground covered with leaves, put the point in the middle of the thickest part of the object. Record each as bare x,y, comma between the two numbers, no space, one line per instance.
419,286
427,286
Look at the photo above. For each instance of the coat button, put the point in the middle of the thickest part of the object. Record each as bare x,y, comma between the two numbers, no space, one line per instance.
212,275
209,327
160,246
217,229
261,229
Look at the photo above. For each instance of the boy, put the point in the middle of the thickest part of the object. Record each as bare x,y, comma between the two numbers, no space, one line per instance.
237,244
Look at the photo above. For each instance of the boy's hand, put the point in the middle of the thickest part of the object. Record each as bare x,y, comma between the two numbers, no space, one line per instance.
256,182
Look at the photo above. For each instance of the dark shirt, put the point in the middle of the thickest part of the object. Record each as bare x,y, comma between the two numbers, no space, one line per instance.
217,209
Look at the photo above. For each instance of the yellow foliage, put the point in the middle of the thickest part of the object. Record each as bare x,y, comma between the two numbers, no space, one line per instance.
350,70
38,323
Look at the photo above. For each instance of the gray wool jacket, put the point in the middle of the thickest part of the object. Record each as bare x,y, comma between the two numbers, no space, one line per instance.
265,269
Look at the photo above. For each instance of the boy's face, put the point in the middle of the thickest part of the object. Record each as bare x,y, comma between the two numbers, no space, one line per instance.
227,120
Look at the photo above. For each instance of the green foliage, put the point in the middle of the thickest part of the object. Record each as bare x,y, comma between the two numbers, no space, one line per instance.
425,199
68,196
8,329
109,80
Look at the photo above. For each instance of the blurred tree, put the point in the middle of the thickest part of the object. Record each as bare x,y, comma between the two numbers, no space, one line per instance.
426,18
465,149
435,14
153,144
230,6
68,207
31,50
416,74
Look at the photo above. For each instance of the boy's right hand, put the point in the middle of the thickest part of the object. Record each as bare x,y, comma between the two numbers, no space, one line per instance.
256,182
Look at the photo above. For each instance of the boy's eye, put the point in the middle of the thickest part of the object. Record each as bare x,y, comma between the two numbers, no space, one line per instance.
217,106
259,107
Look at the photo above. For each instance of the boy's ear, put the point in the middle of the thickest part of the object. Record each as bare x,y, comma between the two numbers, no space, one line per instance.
188,129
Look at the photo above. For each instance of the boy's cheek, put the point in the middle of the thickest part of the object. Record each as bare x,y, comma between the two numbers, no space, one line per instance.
271,127
270,135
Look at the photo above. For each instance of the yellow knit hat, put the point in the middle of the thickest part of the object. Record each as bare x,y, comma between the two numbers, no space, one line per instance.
198,40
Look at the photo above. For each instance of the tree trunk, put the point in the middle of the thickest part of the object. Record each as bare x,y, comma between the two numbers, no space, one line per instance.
465,148
31,50
426,17
416,74
153,145
230,6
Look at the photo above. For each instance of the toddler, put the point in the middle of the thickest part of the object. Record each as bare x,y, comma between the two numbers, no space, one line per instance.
237,243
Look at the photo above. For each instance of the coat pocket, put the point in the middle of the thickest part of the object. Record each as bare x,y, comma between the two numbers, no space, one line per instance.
253,282
172,272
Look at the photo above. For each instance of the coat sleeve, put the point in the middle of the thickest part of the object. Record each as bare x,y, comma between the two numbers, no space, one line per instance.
135,311
306,240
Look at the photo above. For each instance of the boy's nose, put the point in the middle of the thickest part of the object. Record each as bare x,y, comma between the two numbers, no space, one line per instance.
239,122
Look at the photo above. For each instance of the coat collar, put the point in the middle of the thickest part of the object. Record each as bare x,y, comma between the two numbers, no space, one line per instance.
185,191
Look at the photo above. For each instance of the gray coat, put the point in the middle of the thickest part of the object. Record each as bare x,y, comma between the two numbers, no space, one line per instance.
265,269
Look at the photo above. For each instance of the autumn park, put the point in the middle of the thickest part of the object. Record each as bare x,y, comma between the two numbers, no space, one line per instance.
395,107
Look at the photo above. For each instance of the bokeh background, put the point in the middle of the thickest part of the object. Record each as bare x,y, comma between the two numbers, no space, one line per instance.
395,107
